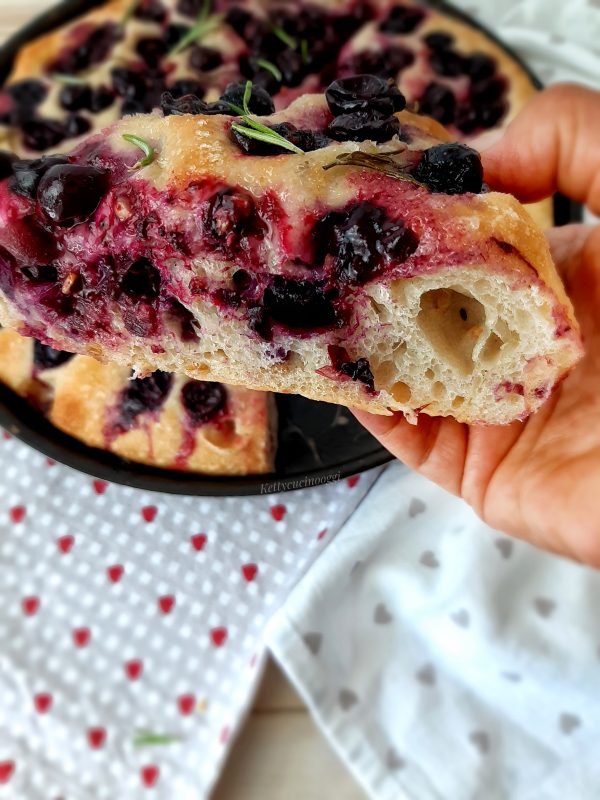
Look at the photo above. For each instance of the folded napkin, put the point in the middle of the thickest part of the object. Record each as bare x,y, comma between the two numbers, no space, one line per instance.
131,625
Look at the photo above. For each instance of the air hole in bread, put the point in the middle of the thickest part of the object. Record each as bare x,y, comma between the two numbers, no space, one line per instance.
491,349
429,374
384,373
380,310
458,401
437,390
401,392
453,322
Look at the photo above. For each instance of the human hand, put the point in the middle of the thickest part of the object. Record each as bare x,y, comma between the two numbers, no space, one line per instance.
539,479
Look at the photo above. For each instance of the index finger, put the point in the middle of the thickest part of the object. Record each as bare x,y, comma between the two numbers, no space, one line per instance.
553,145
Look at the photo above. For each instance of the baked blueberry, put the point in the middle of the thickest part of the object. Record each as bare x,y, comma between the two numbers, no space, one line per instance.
363,125
229,216
402,19
364,93
27,174
93,50
359,370
141,280
152,50
42,134
76,125
203,400
101,98
70,193
27,93
143,394
439,40
447,62
174,34
46,357
189,104
150,10
438,101
186,86
257,147
190,8
7,161
75,98
204,58
260,102
479,66
40,273
300,304
450,169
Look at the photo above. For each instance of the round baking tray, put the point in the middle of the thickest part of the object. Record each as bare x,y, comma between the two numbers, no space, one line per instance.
317,442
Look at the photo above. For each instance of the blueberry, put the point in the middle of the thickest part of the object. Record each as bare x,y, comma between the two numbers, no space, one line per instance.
183,317
402,20
27,174
359,370
42,134
76,125
479,67
395,59
251,69
204,59
142,280
7,161
189,104
487,91
46,357
174,34
186,86
247,27
292,67
101,98
360,239
364,93
229,216
150,10
439,40
438,101
447,62
258,321
203,400
131,106
190,8
490,115
128,83
70,193
40,274
450,169
143,394
308,140
91,51
151,50
260,102
75,98
300,304
27,93
363,125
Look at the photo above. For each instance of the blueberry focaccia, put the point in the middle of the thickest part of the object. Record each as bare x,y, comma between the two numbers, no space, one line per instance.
285,255
119,58
162,420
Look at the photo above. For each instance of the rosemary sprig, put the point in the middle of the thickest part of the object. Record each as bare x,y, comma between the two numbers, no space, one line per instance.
68,80
144,146
147,738
129,12
304,55
270,67
284,36
376,161
255,130
204,24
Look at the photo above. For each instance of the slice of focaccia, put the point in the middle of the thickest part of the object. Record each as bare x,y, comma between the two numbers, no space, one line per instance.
342,249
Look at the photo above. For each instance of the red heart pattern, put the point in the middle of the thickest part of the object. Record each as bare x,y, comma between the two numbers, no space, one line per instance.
115,573
278,512
136,611
96,737
134,669
17,514
352,481
249,571
186,703
30,605
81,637
218,636
149,513
198,541
149,775
43,702
7,769
166,603
65,543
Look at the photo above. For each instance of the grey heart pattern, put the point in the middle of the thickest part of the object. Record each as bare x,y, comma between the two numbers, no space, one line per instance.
504,547
313,641
544,606
568,723
382,616
416,507
513,677
429,559
347,699
481,741
393,760
356,568
426,675
461,617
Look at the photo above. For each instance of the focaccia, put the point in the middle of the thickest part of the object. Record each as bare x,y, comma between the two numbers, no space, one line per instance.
354,256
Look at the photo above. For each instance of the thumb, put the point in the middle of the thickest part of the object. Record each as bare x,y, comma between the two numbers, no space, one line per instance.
552,145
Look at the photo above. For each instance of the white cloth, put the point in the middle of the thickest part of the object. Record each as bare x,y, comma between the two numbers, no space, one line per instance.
127,616
442,660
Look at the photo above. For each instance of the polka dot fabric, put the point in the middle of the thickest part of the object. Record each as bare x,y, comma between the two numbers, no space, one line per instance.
131,625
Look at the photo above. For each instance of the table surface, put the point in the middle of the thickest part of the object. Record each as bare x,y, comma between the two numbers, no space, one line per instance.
280,755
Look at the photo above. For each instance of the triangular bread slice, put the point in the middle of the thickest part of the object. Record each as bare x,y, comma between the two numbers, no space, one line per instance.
380,276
